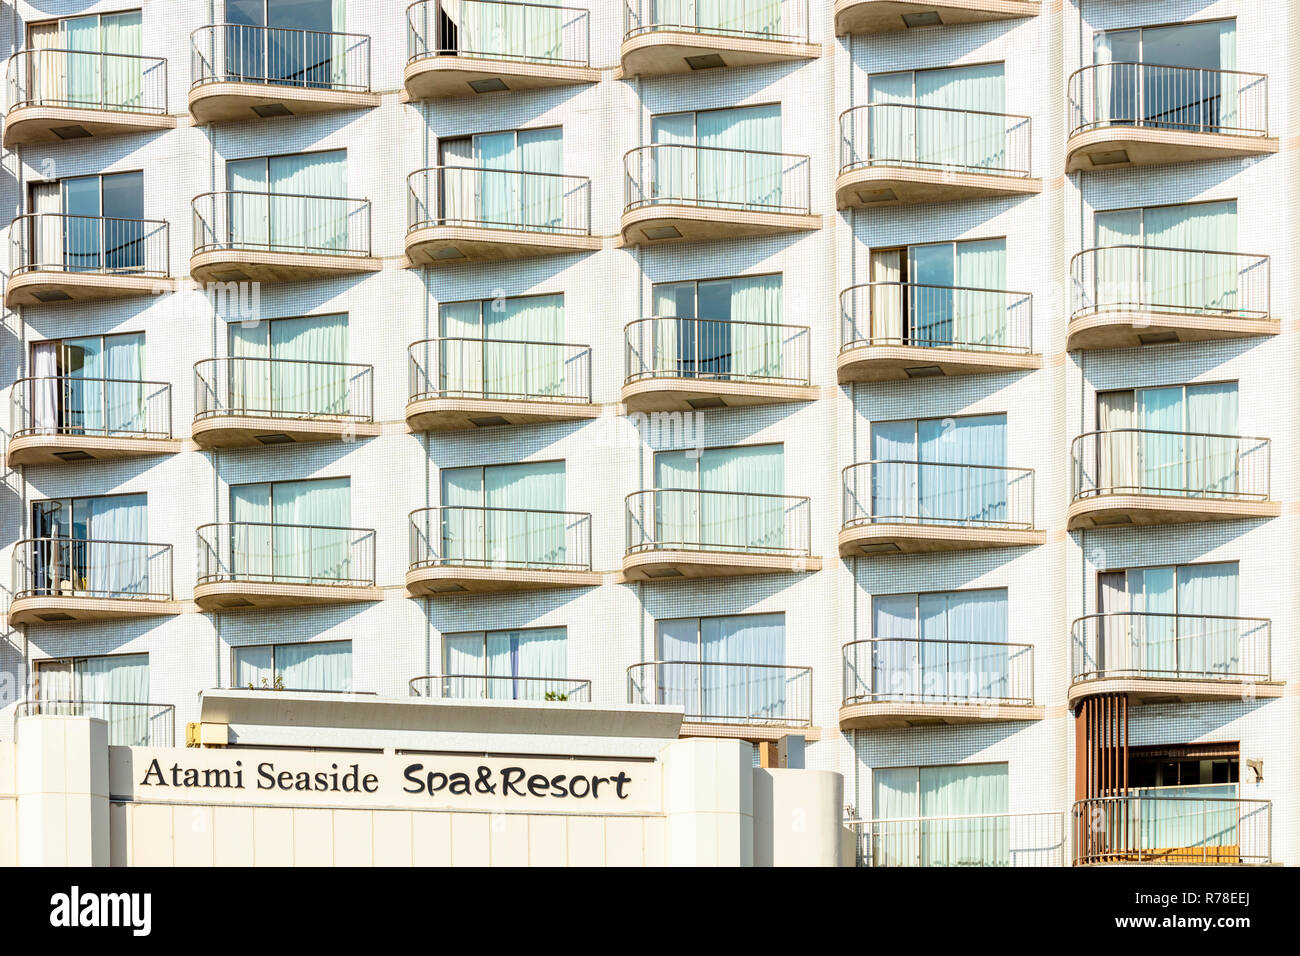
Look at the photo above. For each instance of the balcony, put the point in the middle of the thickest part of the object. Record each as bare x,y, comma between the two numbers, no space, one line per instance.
130,723
898,682
494,687
890,331
755,702
687,533
279,237
1129,296
469,47
240,72
686,364
57,95
62,418
460,214
458,384
1137,114
1179,825
910,507
1137,476
994,839
246,402
696,193
887,16
59,258
1154,658
459,549
247,564
654,43
896,154
71,580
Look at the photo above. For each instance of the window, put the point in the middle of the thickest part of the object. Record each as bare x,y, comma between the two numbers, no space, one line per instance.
726,668
93,547
315,665
727,329
297,49
82,77
725,157
941,294
293,531
1188,796
92,385
505,515
506,665
918,815
291,202
113,688
959,125
90,224
290,367
496,347
728,498
505,179
914,478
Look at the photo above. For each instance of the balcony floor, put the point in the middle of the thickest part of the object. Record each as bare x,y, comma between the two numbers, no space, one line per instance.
440,77
705,223
754,733
54,449
245,595
251,265
872,187
449,245
1133,329
42,287
1153,690
461,414
438,580
27,125
890,363
53,609
690,394
1142,146
667,565
890,714
251,431
1124,510
660,52
885,16
231,102
876,539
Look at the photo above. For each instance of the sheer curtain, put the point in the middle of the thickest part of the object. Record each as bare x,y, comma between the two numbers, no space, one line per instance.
251,554
891,131
677,507
757,693
319,221
303,382
1183,280
979,790
464,662
311,538
894,797
541,152
947,494
44,410
1208,645
677,678
325,665
738,169
955,133
972,660
738,16
117,679
85,84
249,205
756,348
743,519
1212,466
980,318
676,171
1118,272
497,158
124,397
1116,466
894,483
123,77
513,369
464,526
896,658
491,664
525,520
1153,600
118,562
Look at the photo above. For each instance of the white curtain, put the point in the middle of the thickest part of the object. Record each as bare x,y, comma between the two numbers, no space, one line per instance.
123,76
748,692
893,485
506,665
757,343
524,522
125,404
964,654
739,166
290,367
117,679
312,665
956,133
118,560
464,526
675,174
1208,644
737,16
745,517
320,221
979,791
542,190
47,249
44,410
293,530
677,505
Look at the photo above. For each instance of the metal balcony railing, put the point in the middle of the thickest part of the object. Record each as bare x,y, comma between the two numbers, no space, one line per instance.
77,568
714,178
938,493
739,522
83,79
1180,98
1141,461
283,388
783,20
499,199
279,56
939,672
1129,278
521,538
726,693
935,316
269,553
1173,825
130,723
718,350
994,839
934,137
100,407
57,242
500,369
499,30
1132,644
494,687
281,222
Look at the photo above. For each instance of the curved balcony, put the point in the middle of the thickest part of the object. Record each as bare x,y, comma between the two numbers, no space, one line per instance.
241,72
899,682
898,153
684,532
250,564
893,507
1139,476
494,687
458,549
994,839
686,364
676,191
468,47
1153,658
55,257
246,402
1179,825
62,418
1128,296
1139,114
890,331
756,702
69,580
458,384
460,214
887,16
57,95
655,43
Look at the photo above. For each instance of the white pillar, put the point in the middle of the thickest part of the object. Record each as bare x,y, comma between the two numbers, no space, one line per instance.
709,802
798,817
61,777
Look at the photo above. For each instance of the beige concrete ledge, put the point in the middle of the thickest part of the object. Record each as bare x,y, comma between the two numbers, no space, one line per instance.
689,394
896,714
460,414
250,265
252,431
1110,147
888,363
869,187
703,223
60,449
449,245
1133,329
884,16
38,287
229,102
754,733
454,579
1135,509
439,77
244,595
1159,690
26,125
659,52
877,540
52,609
668,564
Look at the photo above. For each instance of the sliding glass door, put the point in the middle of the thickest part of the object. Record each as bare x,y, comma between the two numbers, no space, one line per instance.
505,665
724,668
114,688
948,646
914,475
952,128
484,351
507,515
292,531
289,203
718,349
746,514
941,816
285,367
726,157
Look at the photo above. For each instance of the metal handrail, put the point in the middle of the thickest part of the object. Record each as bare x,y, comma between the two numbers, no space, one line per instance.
29,83
909,314
279,56
135,570
1230,466
56,405
325,225
533,688
774,694
769,182
272,553
95,245
573,33
1031,839
1006,152
1183,98
240,385
639,17
1141,828
166,713
780,354
1129,277
781,523
538,202
482,537
1004,500
456,367
964,682
1119,644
